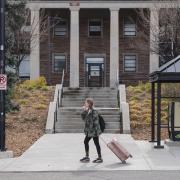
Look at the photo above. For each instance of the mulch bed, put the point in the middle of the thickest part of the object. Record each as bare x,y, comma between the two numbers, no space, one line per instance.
144,133
26,126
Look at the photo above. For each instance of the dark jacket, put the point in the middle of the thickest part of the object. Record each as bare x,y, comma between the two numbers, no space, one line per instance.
92,126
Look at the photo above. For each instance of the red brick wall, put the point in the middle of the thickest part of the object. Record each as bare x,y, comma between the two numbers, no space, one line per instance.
58,45
134,45
95,45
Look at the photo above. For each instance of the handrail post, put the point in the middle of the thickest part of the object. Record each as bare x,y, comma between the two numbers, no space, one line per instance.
61,90
61,97
58,99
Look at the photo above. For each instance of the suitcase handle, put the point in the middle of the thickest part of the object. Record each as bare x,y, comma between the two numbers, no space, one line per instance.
103,140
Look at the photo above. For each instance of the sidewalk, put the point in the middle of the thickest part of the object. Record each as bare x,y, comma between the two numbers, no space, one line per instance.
61,152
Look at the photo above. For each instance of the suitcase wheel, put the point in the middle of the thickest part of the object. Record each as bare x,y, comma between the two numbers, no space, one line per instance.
130,156
124,162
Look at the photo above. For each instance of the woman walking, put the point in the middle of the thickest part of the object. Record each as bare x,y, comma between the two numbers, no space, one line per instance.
91,130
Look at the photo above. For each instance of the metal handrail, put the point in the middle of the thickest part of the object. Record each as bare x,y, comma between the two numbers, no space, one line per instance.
62,80
62,85
117,78
59,99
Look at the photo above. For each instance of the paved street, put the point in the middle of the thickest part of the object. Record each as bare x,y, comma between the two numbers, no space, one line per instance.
95,175
61,152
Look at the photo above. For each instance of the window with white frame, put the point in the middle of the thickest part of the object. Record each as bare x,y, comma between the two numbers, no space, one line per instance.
95,27
60,28
130,63
129,26
59,62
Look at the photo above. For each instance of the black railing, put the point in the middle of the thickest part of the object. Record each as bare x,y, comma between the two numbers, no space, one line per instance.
59,100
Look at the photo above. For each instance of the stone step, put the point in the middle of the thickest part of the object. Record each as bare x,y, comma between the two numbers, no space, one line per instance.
97,105
94,97
59,130
79,112
80,98
97,100
87,89
105,116
78,119
79,109
105,100
90,92
80,125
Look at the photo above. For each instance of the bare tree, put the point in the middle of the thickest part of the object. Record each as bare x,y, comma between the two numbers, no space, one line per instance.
20,32
165,39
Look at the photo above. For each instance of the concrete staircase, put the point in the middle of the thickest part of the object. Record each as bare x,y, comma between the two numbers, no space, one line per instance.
105,101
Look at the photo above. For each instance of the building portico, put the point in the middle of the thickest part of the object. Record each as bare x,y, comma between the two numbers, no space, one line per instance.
112,47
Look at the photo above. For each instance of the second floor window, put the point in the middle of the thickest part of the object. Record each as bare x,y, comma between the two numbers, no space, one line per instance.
129,27
60,28
95,27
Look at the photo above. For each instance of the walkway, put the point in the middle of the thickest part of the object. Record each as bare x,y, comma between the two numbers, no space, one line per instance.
61,152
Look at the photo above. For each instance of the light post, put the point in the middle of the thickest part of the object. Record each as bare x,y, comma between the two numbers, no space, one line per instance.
2,71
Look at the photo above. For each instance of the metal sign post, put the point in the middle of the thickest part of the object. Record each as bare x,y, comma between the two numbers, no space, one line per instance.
3,79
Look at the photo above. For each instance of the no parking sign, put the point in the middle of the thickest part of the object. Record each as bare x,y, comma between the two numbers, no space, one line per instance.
3,81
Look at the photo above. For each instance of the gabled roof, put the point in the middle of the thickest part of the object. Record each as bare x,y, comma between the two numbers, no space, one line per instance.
169,72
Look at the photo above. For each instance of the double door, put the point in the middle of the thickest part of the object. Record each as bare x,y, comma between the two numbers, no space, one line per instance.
95,73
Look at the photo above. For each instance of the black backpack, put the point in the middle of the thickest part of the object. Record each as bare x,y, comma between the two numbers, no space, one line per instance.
102,123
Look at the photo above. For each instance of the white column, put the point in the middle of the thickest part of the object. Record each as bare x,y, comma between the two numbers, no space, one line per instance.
35,44
114,46
74,48
154,40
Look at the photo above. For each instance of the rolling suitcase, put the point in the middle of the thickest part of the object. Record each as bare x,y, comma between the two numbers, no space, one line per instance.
118,150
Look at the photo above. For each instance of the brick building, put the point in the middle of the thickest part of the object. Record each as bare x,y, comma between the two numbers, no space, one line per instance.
97,43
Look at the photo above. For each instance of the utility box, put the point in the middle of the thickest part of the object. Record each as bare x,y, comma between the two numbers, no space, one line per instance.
174,121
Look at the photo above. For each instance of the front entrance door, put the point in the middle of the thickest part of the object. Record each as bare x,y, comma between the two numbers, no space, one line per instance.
95,72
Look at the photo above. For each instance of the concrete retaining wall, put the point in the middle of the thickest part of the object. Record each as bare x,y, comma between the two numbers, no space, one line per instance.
124,109
52,108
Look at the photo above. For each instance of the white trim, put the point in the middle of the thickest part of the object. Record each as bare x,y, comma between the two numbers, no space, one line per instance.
114,47
74,48
100,4
154,38
35,45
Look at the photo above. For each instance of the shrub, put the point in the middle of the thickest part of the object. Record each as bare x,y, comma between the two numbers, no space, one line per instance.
34,84
39,106
139,98
23,102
